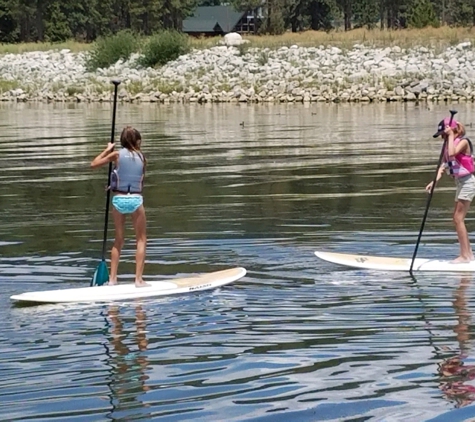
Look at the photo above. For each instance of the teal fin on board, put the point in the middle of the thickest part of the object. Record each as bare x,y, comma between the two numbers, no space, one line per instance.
101,275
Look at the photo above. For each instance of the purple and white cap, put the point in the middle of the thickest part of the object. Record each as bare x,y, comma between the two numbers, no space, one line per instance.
443,124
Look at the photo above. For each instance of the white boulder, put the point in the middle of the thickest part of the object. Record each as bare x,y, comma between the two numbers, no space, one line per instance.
233,39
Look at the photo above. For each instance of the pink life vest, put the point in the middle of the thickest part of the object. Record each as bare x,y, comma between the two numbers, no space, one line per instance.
461,165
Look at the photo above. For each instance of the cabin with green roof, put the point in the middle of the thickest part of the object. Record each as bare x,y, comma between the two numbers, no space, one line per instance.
219,20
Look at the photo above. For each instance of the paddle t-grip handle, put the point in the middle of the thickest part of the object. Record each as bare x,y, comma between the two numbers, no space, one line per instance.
116,84
452,114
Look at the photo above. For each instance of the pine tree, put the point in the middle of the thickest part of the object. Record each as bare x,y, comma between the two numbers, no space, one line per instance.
9,29
56,27
421,14
459,12
173,12
145,16
273,22
321,15
367,13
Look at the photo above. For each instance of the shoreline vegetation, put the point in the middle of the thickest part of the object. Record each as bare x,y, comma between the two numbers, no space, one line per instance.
361,65
440,37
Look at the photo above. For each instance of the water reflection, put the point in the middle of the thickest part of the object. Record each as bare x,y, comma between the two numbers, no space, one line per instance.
128,362
457,374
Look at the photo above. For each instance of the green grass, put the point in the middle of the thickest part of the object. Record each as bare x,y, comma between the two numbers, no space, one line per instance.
169,87
73,90
6,86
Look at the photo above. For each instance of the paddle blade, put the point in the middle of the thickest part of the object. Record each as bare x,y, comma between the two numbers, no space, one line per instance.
101,275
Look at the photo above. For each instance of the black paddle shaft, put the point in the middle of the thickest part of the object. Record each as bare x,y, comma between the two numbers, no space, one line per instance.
106,219
434,181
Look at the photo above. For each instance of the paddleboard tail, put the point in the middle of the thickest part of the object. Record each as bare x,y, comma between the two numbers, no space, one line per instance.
394,264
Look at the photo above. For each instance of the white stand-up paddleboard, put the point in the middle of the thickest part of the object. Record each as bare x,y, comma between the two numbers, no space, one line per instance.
394,264
129,291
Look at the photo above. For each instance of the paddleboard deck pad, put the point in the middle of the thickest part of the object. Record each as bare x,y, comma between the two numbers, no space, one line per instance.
128,291
394,264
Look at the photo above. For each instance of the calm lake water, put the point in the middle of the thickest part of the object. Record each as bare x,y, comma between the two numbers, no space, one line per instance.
263,187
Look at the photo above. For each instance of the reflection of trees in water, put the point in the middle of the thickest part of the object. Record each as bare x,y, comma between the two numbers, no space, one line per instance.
206,172
457,379
286,160
127,378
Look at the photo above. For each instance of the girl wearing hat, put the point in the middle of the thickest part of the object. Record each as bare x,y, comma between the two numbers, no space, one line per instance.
126,185
458,163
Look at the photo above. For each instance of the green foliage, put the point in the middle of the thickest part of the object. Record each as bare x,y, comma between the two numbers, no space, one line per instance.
274,23
263,58
73,90
173,12
367,13
8,24
460,12
321,14
56,27
145,16
108,50
163,47
89,20
243,48
169,87
421,14
7,85
296,14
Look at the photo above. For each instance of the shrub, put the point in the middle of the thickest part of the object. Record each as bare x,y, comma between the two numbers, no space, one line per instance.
243,48
108,50
164,47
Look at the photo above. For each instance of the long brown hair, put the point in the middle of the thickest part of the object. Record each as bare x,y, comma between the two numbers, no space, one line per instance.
459,131
130,138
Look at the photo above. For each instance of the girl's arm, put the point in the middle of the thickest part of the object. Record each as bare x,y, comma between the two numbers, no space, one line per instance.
106,156
439,175
462,146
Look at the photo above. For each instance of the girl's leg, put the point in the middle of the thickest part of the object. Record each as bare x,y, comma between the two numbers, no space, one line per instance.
140,223
461,209
119,225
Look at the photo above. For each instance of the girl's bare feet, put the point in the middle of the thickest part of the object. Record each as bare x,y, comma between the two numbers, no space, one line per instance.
461,260
141,283
111,283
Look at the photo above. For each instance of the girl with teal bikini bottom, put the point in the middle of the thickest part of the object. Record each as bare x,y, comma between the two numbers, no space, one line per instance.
126,184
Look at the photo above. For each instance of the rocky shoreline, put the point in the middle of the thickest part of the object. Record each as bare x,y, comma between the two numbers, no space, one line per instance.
249,75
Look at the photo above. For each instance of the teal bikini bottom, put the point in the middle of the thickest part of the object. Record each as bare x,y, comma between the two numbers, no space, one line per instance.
127,204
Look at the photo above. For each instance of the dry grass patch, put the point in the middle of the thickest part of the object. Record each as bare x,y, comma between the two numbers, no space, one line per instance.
438,38
430,37
74,46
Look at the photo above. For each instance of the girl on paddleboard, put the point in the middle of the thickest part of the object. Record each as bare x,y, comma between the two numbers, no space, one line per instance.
458,163
126,185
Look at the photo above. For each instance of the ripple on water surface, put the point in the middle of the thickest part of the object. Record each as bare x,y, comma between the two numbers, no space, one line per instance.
297,338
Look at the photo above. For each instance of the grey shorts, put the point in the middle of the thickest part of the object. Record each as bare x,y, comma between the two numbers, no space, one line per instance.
465,188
